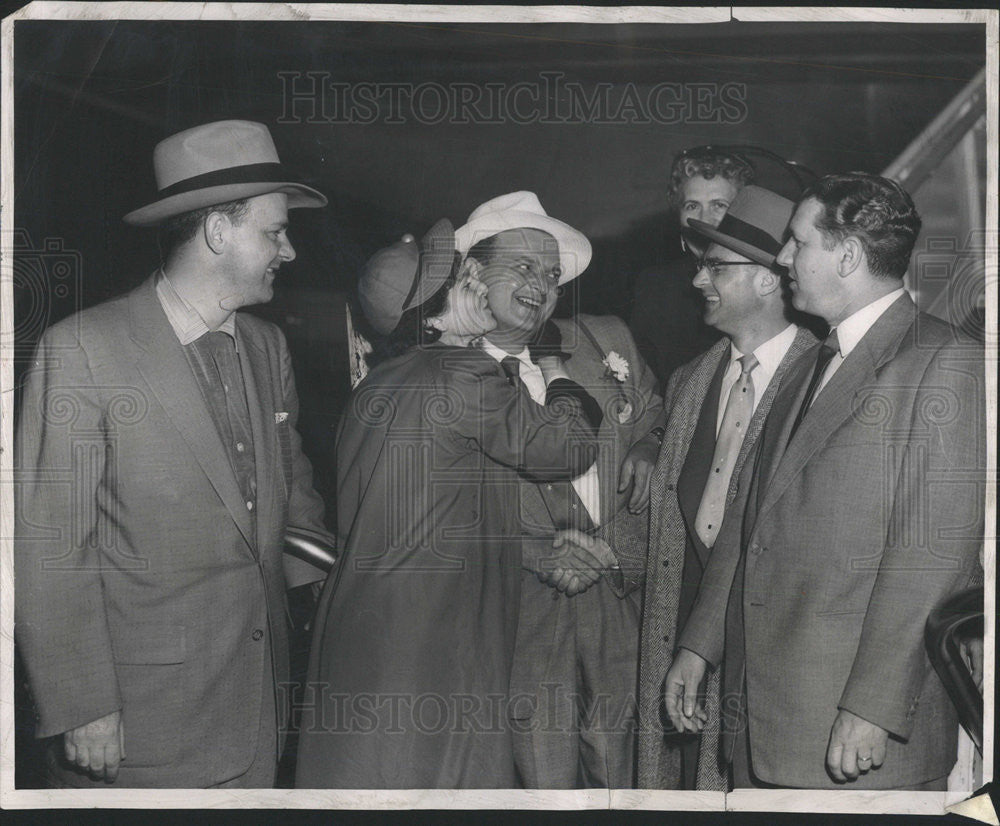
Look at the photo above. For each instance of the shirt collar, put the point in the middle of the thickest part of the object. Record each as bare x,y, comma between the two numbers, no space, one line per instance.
187,323
853,328
497,353
771,352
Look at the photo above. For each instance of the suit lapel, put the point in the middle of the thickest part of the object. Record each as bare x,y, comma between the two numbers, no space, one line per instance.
586,367
164,366
835,402
254,364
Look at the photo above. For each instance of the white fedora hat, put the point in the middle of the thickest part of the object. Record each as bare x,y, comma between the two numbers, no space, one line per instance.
227,160
518,210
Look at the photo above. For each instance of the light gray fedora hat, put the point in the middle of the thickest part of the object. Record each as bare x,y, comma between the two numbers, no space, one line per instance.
227,160
520,210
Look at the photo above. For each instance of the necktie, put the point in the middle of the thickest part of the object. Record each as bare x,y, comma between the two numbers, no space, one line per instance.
739,409
512,369
827,350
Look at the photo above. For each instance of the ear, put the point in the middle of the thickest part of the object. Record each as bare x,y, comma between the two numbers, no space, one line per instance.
470,266
215,232
768,281
851,256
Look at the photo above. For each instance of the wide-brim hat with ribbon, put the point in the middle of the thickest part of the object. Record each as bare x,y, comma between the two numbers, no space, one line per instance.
754,226
403,275
519,210
214,163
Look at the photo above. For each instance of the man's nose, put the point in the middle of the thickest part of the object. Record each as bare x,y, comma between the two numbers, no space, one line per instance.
701,277
785,256
287,251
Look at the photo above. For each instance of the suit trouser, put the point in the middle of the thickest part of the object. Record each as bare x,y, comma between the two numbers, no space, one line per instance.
573,688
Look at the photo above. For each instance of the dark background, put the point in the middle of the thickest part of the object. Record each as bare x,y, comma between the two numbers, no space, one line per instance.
93,98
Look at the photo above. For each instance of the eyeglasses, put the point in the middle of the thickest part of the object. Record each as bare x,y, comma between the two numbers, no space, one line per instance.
713,265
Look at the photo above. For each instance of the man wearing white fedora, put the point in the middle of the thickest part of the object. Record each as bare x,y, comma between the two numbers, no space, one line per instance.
159,468
574,674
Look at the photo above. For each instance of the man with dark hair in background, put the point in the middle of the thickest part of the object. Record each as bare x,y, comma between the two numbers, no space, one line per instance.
863,513
666,319
159,466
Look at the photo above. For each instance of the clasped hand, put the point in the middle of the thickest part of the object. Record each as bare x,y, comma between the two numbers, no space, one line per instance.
576,562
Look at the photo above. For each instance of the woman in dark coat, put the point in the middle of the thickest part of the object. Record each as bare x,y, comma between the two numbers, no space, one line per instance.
410,664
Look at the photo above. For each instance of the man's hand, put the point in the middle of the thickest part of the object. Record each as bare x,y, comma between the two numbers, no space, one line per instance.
680,691
576,563
97,747
972,653
638,470
855,746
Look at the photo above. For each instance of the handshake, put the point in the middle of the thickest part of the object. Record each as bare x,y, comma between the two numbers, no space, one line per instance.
571,563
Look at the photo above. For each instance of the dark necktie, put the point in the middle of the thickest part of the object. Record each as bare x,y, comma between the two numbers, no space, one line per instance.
512,369
827,350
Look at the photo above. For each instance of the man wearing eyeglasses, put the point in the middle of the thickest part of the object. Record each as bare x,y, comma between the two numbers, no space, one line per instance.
715,407
703,182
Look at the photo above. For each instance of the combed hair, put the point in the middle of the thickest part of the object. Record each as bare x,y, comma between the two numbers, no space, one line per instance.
708,162
876,211
182,228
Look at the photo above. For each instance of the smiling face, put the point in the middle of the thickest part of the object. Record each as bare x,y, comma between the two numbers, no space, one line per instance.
255,248
727,282
812,268
522,279
466,315
704,199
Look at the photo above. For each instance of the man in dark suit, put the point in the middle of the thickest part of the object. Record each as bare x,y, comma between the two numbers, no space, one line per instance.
573,681
158,469
864,512
714,410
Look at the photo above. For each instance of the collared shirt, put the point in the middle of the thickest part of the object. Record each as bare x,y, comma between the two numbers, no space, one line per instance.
587,485
186,321
769,356
853,328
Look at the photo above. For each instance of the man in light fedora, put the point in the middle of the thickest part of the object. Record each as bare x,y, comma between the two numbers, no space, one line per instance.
715,406
159,468
573,681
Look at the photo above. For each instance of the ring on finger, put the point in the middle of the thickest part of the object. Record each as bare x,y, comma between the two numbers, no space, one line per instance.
864,762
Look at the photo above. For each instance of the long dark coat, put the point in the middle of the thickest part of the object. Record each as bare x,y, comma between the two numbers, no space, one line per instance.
410,667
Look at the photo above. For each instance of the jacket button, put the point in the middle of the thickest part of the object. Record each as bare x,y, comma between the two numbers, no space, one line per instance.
257,634
666,563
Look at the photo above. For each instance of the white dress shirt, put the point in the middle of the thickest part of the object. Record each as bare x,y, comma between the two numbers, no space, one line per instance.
852,329
769,356
587,485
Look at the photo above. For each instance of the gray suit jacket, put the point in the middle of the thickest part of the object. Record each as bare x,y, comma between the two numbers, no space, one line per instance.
144,582
659,765
853,532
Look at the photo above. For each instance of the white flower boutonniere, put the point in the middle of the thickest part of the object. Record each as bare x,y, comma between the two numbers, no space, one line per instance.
280,417
617,366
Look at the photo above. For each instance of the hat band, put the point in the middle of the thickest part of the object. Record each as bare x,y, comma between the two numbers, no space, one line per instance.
251,173
748,233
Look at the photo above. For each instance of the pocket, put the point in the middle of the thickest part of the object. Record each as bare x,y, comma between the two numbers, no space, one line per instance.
156,711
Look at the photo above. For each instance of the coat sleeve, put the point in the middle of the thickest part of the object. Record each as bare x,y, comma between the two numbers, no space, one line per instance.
305,506
61,619
553,442
932,543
